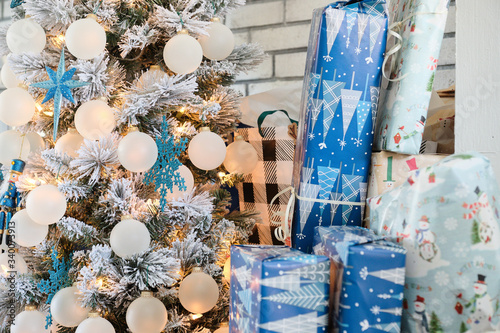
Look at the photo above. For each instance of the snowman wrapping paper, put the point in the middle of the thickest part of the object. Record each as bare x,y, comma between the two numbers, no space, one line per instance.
278,289
370,273
406,96
447,218
339,108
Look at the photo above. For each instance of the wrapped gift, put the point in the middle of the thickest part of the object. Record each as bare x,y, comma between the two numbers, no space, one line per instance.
419,26
447,218
339,107
389,170
278,289
370,273
275,148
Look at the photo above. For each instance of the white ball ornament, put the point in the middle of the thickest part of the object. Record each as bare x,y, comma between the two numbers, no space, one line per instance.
94,119
198,292
129,237
241,157
95,324
30,321
12,262
219,43
17,107
27,232
26,36
9,78
207,150
188,182
36,142
46,204
66,309
13,145
146,314
182,53
137,151
69,143
85,38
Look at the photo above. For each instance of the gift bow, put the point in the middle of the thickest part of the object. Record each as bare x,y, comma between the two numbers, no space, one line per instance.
394,31
283,231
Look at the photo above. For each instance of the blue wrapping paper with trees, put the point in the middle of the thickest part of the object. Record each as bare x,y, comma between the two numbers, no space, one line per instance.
447,218
369,281
278,289
339,108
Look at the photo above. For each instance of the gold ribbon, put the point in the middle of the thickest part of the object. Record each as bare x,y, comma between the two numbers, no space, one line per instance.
283,231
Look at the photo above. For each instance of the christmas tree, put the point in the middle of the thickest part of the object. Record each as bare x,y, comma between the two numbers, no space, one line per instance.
107,210
435,323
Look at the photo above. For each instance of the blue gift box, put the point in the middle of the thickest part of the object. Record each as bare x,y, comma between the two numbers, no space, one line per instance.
370,275
278,289
339,108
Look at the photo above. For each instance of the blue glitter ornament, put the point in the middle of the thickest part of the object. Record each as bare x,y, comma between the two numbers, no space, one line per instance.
58,279
15,3
59,86
164,173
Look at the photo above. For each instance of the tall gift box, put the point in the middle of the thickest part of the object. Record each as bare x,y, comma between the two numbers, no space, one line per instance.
339,107
278,289
370,275
447,217
413,59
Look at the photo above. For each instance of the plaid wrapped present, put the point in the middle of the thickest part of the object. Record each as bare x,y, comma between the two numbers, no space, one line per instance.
273,174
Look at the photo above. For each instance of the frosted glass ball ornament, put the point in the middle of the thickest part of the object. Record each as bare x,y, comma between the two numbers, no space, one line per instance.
9,78
207,150
198,292
36,142
46,204
129,237
85,38
241,157
30,321
69,143
13,145
17,107
188,182
94,119
26,36
95,324
12,262
219,43
28,232
182,53
146,314
137,151
66,309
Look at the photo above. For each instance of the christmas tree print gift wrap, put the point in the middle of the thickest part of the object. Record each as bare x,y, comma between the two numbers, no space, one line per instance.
339,107
419,27
278,289
447,218
370,272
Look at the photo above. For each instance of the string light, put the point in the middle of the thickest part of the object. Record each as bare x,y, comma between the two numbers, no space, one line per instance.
195,316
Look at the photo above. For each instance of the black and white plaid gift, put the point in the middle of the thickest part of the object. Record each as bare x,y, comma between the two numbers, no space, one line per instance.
273,173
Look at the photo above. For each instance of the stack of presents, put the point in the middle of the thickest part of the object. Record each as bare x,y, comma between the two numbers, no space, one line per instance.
398,240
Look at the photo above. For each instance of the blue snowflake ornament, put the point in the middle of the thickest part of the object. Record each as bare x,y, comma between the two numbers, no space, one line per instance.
15,3
59,86
58,279
164,173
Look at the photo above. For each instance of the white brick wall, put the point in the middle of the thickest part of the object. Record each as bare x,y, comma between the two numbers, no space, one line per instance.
282,27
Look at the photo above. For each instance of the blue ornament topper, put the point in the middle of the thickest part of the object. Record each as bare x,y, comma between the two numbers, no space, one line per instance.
59,86
164,173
